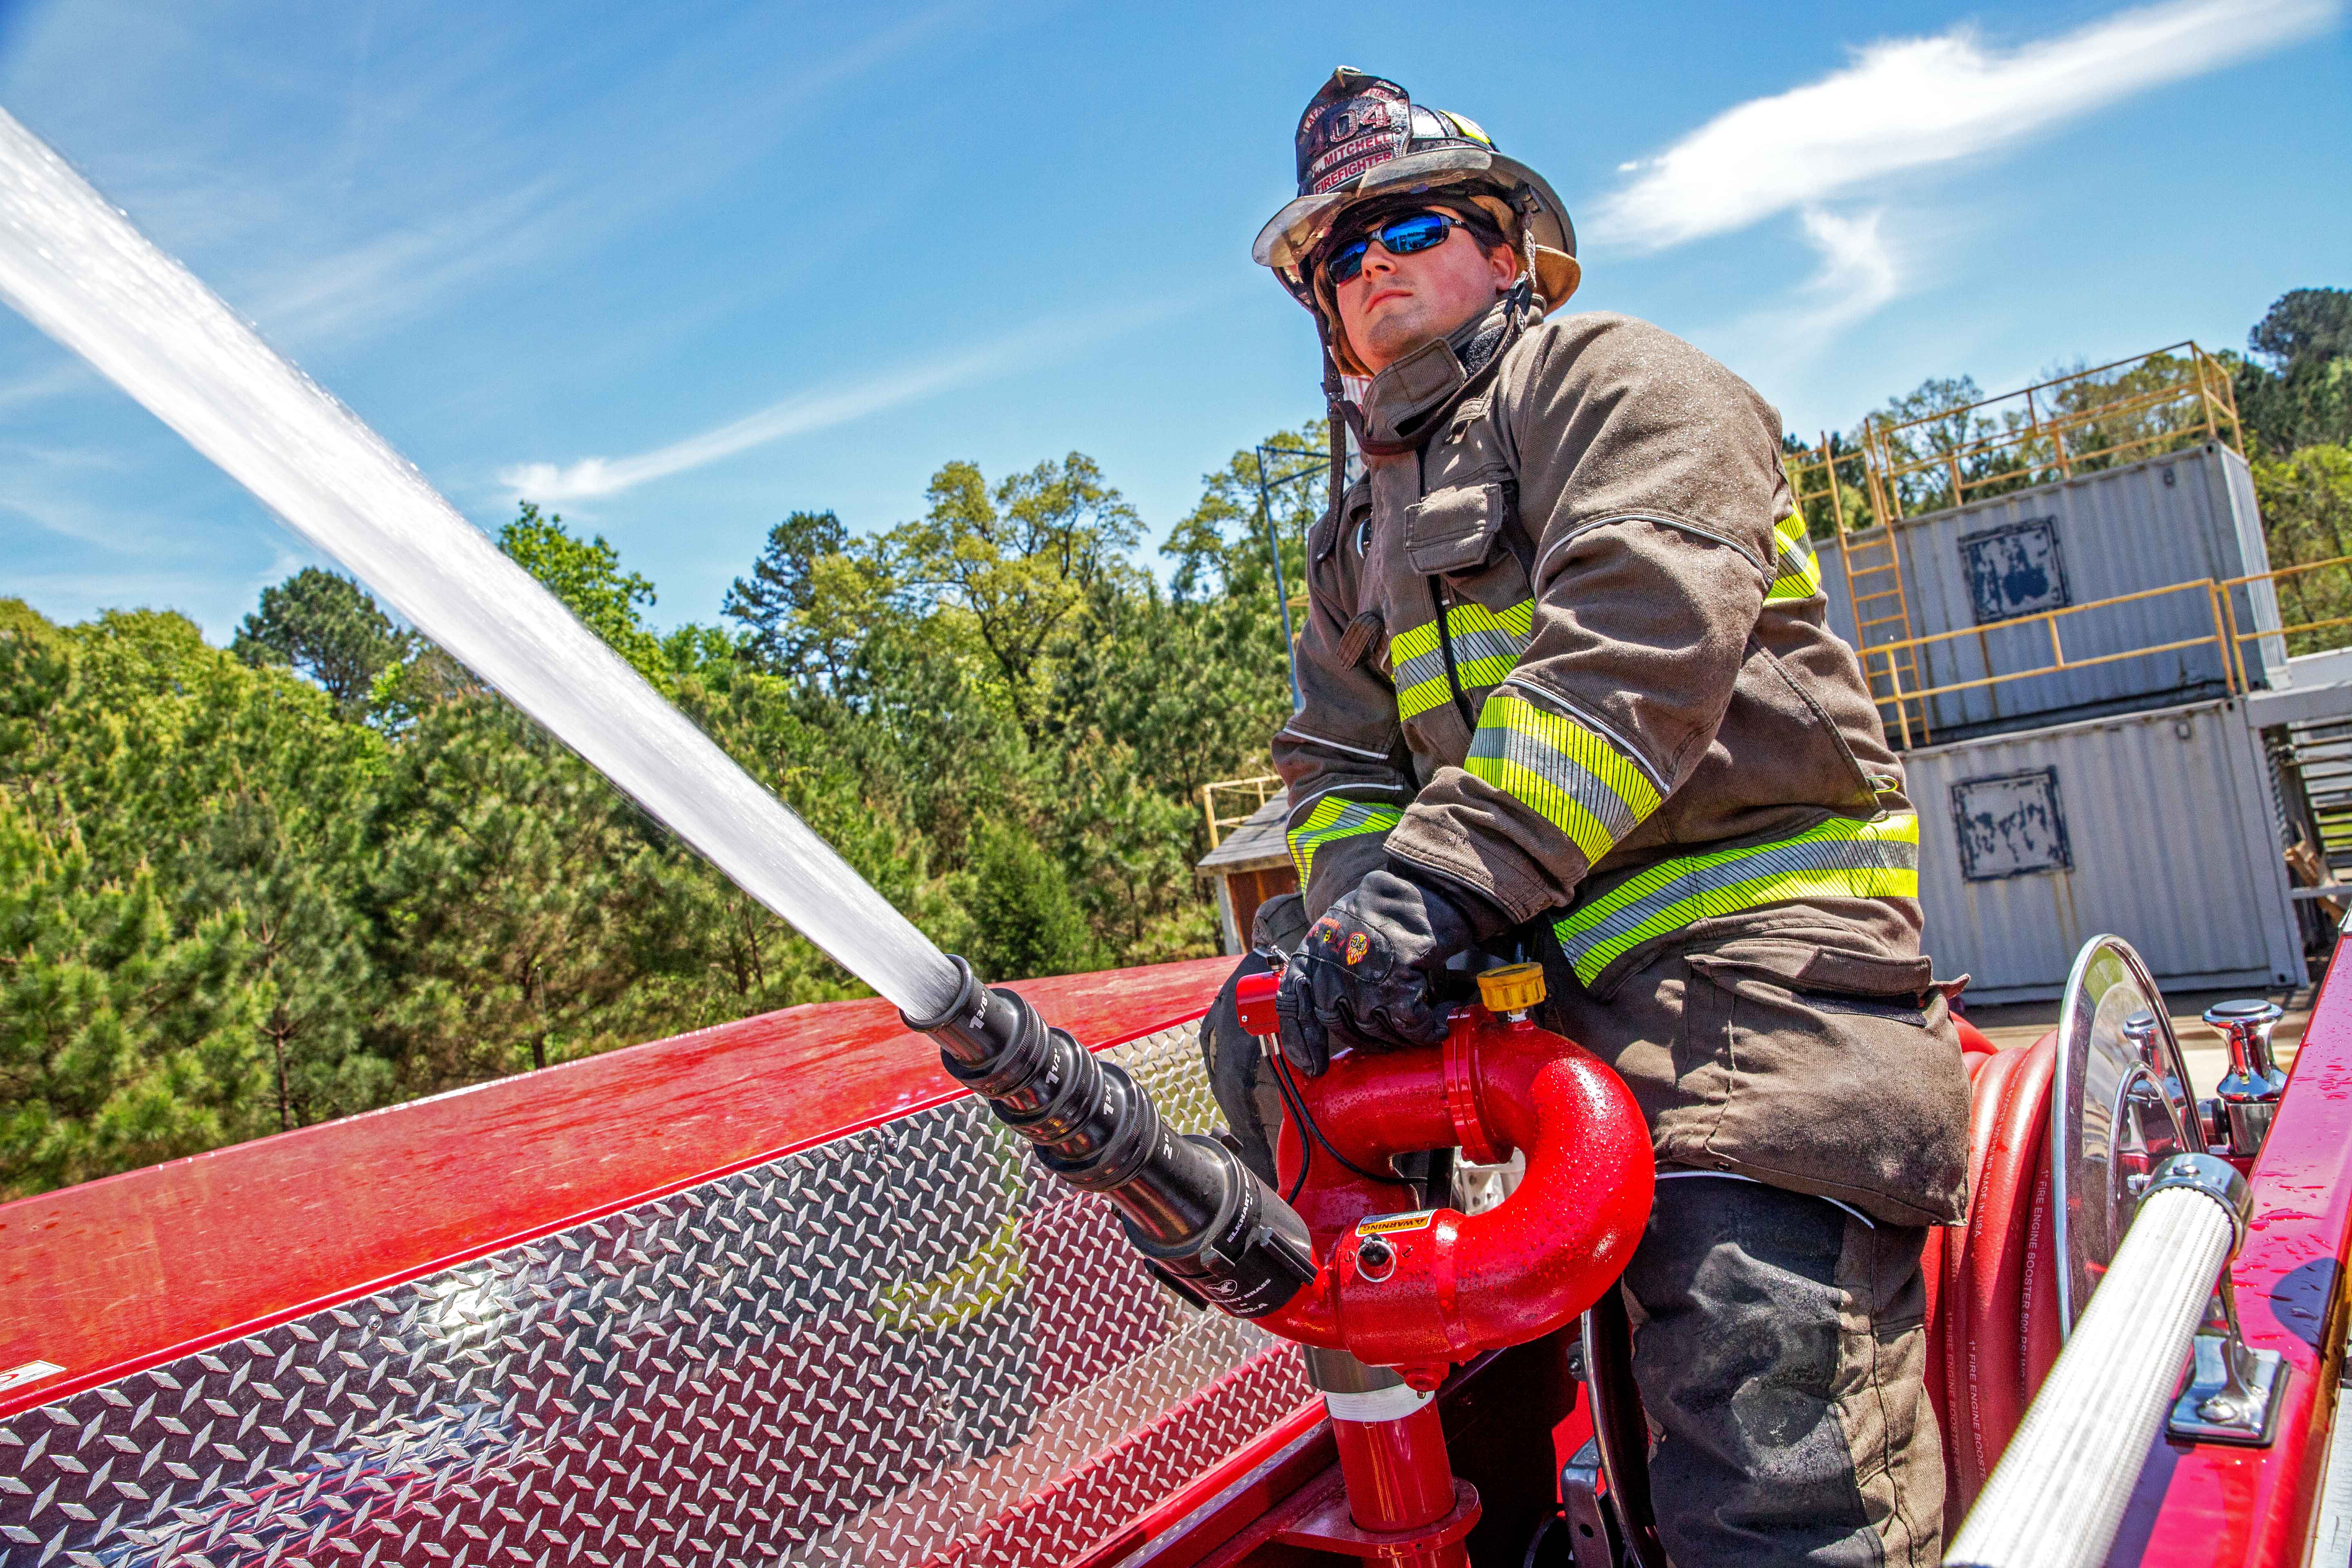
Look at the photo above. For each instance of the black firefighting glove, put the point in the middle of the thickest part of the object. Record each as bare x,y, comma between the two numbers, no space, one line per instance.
1369,970
1244,1085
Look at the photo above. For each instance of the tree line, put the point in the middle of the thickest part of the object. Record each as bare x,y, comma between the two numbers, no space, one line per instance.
323,870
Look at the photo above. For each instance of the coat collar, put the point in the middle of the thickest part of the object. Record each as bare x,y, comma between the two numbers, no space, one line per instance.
1404,401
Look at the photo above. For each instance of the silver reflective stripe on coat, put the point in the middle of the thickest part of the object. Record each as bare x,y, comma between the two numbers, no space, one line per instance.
1843,856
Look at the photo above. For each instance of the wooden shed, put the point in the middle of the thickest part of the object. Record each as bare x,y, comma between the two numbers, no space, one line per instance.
1250,865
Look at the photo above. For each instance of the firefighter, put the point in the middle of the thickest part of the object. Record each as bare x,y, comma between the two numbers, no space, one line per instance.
1569,691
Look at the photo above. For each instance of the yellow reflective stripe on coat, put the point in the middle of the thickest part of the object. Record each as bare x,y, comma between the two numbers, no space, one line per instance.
1799,565
1577,782
1843,858
1486,646
1334,817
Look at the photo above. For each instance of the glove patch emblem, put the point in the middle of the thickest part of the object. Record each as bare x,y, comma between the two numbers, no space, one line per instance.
1357,944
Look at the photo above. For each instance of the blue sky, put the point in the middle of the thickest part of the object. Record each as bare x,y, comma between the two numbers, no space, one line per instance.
676,271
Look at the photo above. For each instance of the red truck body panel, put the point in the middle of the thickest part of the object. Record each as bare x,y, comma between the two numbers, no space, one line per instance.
120,1274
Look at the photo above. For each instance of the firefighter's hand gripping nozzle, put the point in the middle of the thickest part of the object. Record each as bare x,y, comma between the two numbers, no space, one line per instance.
1189,1203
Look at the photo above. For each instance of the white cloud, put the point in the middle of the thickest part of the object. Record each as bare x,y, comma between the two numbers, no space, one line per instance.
1913,103
69,516
827,407
1858,273
389,276
480,159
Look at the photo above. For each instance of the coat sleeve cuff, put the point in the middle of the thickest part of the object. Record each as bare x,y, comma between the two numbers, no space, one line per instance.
1484,917
1500,876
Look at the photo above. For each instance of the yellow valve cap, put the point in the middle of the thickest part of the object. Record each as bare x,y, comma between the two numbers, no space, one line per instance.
1513,988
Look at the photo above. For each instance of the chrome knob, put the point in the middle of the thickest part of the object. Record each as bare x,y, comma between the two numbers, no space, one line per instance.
2250,1095
2140,1029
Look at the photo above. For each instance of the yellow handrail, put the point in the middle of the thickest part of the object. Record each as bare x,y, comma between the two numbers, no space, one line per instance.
2203,378
2238,640
2222,638
1264,785
2221,600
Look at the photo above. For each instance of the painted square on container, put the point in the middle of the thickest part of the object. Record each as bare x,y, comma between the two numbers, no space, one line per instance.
2015,570
2011,824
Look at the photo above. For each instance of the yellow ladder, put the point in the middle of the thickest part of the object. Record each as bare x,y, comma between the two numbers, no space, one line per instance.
1882,612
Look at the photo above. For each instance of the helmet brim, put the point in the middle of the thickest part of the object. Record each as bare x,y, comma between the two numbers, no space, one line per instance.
1293,232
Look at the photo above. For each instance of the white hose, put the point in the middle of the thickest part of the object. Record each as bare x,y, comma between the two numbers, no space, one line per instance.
78,270
2057,1497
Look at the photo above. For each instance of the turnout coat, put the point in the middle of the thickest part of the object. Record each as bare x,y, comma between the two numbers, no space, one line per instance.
1567,648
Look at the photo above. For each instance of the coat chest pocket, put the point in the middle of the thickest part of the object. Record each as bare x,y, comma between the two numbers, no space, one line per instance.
1454,528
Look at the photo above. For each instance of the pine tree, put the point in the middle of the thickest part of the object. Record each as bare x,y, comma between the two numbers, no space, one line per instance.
120,1043
326,629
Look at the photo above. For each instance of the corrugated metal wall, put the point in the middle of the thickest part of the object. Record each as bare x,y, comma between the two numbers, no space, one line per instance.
2176,518
2157,826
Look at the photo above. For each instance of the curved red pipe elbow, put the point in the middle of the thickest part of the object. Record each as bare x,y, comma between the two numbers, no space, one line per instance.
1438,1285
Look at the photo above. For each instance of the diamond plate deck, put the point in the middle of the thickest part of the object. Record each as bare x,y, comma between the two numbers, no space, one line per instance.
907,1345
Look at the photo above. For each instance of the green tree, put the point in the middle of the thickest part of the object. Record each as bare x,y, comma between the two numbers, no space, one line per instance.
1925,432
298,878
1018,560
122,1043
1220,546
2304,326
223,790
586,576
326,629
407,689
2297,390
1024,921
780,603
527,900
2306,505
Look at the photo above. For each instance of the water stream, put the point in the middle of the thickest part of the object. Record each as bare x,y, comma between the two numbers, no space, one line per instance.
78,270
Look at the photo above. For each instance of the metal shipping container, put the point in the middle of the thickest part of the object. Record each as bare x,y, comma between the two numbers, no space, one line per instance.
2181,518
2159,827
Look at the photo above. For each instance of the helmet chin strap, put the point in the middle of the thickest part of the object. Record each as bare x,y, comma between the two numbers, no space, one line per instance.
1526,305
1526,203
1335,407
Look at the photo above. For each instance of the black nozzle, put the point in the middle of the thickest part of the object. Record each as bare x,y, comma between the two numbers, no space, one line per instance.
1188,1204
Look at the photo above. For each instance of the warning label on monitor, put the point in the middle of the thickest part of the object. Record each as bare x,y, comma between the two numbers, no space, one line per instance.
1384,1223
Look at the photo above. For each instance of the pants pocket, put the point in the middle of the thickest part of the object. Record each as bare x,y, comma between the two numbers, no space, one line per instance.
1844,1076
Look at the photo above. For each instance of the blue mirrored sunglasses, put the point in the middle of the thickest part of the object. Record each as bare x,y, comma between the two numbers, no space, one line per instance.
1403,236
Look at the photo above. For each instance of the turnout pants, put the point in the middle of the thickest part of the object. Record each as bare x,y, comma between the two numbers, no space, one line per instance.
1780,1343
1780,1337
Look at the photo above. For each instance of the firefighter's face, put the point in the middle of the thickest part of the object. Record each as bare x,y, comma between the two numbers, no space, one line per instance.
1397,303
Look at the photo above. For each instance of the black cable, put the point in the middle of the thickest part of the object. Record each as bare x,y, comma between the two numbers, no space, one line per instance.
1289,1098
1297,1104
1445,646
1306,1145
